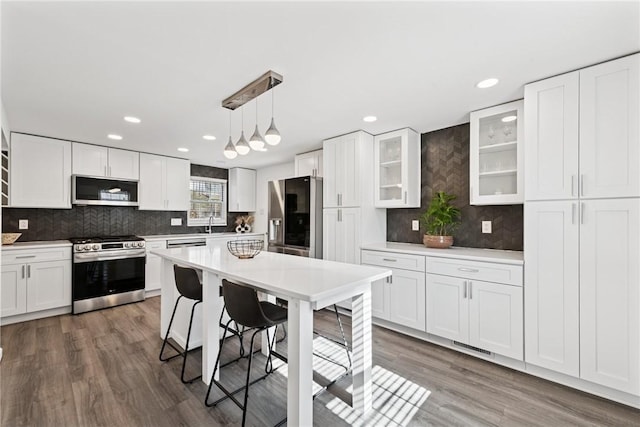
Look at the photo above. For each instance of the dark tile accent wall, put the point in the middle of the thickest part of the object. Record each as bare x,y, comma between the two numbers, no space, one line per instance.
445,167
87,221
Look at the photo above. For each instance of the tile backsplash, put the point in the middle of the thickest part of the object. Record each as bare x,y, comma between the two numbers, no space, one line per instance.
86,221
445,167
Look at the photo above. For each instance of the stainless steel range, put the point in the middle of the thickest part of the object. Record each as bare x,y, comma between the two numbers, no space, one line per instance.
107,271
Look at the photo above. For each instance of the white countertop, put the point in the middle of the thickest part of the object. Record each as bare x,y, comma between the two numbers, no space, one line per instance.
37,245
472,254
284,276
198,235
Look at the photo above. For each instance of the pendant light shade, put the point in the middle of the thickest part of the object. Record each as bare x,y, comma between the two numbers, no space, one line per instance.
242,147
256,142
230,150
272,135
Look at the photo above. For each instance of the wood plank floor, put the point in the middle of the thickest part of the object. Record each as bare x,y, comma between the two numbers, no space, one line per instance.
102,369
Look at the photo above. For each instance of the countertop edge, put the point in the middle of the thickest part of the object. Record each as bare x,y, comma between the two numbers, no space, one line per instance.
196,235
471,254
37,244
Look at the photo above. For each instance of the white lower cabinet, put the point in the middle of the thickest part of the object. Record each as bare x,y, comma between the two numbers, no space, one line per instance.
476,303
35,280
13,290
153,267
583,289
401,298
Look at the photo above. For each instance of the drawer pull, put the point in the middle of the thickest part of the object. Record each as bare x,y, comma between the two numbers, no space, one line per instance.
468,270
389,259
25,256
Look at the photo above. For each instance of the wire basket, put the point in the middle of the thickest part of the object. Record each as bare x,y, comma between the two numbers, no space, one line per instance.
245,249
10,238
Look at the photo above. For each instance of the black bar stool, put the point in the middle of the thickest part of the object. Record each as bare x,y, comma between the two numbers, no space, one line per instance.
188,284
246,310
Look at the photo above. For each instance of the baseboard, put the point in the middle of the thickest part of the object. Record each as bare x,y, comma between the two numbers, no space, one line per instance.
35,315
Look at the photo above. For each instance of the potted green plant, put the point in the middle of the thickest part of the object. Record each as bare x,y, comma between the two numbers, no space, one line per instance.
439,221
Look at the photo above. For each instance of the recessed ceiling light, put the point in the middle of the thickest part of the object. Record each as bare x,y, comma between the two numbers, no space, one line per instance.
114,136
132,119
209,137
370,119
509,119
183,150
487,83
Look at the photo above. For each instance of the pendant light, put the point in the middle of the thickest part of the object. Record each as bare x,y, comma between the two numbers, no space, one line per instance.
230,149
272,136
256,142
242,147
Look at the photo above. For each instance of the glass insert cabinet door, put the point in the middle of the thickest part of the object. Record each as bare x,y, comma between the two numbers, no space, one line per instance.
397,169
496,155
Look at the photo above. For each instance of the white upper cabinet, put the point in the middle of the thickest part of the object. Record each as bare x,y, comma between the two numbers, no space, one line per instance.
342,169
242,190
496,156
40,172
397,169
609,129
551,107
164,183
582,133
95,160
309,164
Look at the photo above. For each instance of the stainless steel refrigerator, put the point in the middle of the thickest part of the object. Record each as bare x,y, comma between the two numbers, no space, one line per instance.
295,216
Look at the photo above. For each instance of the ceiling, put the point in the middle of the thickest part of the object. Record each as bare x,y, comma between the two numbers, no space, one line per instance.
72,70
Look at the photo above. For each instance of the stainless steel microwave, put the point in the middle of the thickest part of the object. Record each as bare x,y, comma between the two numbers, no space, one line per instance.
89,190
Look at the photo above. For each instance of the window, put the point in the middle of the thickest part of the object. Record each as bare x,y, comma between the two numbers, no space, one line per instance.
208,200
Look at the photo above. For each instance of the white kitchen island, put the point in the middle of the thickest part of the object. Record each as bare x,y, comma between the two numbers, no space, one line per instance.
307,284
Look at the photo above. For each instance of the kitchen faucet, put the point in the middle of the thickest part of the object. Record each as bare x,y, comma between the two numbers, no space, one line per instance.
210,227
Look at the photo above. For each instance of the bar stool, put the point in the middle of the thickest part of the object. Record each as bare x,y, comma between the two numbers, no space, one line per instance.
246,310
189,287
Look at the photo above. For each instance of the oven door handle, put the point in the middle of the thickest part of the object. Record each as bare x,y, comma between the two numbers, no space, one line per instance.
80,258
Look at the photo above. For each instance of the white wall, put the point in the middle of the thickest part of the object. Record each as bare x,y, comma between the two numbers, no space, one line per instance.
263,176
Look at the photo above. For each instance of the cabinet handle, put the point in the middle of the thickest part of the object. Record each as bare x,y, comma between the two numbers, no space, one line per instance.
582,185
470,289
23,271
573,213
581,213
405,197
339,215
468,270
25,256
464,295
573,185
28,271
389,259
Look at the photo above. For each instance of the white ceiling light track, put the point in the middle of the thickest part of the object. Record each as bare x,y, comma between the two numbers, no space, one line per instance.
253,90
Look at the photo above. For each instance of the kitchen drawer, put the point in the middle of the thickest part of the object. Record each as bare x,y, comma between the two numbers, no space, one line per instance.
155,244
475,270
393,260
35,255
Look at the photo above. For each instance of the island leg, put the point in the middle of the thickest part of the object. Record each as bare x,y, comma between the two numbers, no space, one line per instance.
362,352
300,357
211,308
167,295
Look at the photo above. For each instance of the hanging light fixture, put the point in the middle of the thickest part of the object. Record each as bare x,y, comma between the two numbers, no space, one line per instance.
230,149
256,142
262,84
242,147
272,136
